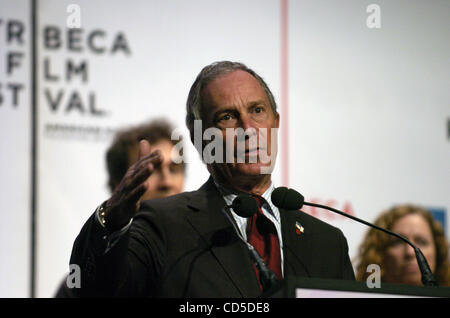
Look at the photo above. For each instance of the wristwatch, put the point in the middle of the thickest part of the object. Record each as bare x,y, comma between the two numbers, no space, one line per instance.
100,212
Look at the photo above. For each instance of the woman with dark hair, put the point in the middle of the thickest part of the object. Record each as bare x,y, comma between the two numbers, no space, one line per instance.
397,259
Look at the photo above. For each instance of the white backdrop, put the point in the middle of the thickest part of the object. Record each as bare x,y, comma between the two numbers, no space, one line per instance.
15,148
367,108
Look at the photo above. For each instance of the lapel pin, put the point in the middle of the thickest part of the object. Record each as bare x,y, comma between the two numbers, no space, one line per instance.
299,229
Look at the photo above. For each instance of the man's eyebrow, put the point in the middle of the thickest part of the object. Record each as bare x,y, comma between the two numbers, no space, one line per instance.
255,103
225,109
231,108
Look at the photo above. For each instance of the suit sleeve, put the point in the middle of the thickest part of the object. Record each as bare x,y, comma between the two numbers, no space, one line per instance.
130,268
346,265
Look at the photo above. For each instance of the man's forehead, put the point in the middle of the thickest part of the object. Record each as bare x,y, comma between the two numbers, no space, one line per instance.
233,80
238,84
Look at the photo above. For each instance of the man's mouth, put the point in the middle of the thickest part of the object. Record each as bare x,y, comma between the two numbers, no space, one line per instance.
249,154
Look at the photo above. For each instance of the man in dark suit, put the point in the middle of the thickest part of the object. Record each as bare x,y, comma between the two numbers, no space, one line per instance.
167,180
187,245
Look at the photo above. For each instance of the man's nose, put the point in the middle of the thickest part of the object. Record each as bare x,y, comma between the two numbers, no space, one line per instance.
249,129
246,122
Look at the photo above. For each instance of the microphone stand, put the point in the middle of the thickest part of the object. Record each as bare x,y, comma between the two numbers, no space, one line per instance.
428,278
268,280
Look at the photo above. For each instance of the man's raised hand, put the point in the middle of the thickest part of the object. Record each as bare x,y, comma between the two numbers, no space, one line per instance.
125,200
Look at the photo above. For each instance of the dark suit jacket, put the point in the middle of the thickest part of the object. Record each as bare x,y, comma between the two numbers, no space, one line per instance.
183,246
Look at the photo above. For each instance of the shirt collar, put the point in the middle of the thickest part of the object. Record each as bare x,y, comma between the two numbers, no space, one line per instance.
229,194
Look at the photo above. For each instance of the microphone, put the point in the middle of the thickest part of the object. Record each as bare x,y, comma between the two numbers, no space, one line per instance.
245,206
290,199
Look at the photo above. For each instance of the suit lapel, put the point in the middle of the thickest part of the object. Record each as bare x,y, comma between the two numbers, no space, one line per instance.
208,220
296,245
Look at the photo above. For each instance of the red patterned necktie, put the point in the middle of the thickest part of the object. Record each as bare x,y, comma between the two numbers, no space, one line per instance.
262,235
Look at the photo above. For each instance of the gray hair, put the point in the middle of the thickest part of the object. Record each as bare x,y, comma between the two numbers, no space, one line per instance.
208,74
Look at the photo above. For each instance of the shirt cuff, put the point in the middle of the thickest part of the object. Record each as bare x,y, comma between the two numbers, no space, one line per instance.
114,237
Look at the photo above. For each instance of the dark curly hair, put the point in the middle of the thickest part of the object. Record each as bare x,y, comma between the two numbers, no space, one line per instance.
117,158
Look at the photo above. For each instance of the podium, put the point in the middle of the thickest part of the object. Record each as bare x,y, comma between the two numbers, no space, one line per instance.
299,287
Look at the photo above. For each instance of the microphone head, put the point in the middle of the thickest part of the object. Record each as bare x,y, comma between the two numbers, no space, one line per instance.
244,206
288,199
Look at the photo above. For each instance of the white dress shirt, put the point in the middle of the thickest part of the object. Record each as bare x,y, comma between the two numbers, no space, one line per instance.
269,210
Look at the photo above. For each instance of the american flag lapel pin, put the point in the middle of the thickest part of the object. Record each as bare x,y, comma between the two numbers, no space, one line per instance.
299,229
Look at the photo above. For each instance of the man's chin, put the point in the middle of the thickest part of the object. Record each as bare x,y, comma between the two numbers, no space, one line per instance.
253,169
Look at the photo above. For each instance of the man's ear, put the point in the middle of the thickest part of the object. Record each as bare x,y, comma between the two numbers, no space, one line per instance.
277,120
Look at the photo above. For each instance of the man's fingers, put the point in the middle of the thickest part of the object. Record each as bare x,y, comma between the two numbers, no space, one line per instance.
154,158
144,149
136,194
133,185
141,175
138,173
